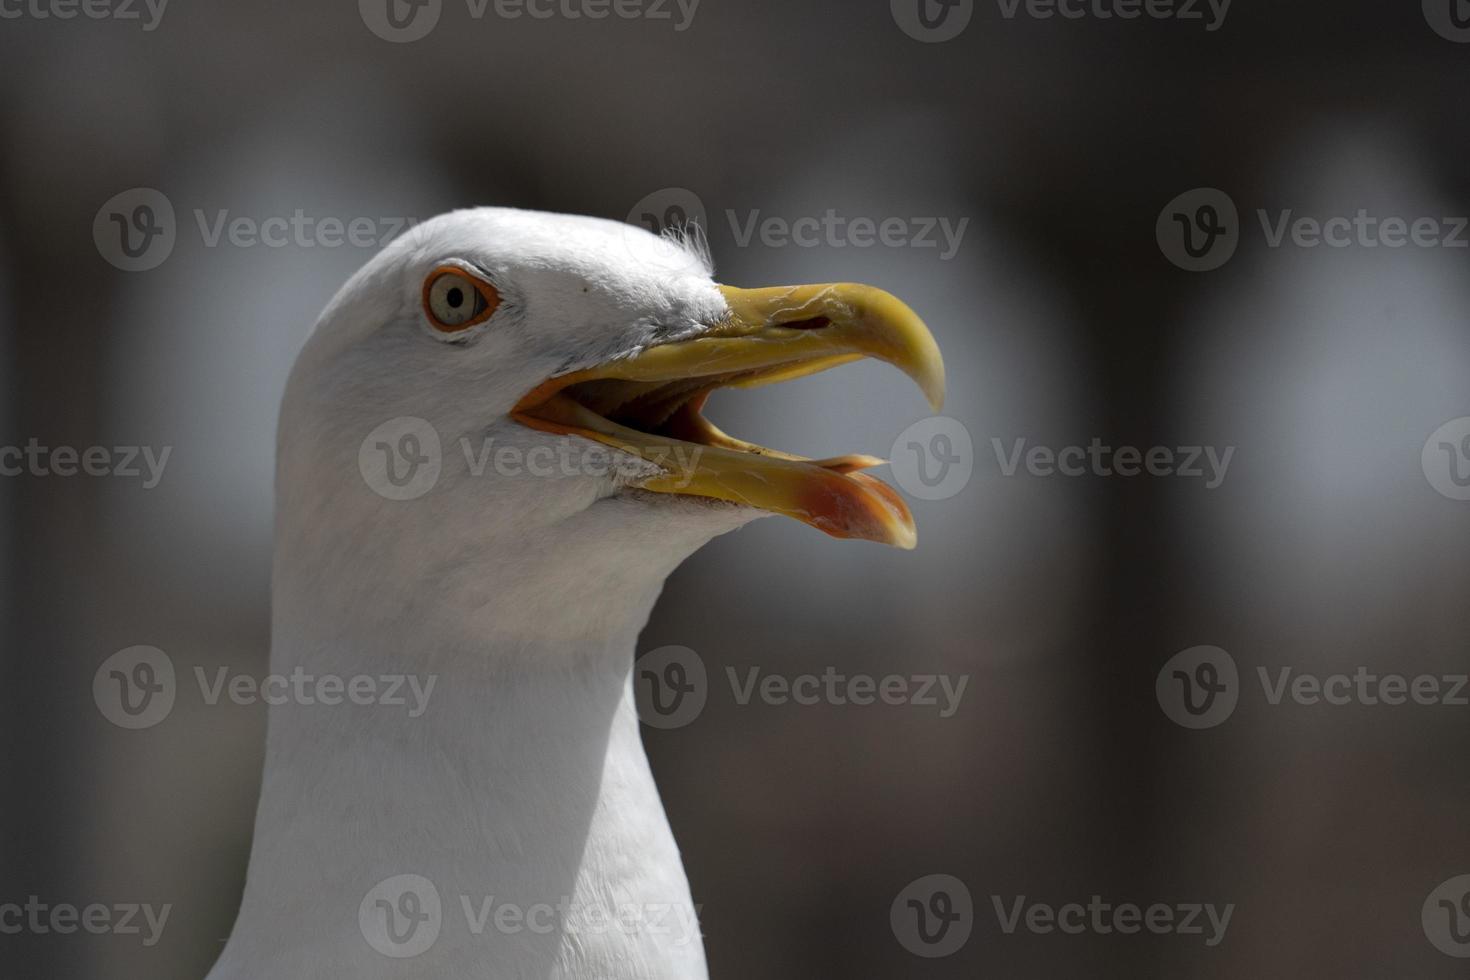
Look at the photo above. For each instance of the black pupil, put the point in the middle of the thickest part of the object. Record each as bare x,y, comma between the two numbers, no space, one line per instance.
456,297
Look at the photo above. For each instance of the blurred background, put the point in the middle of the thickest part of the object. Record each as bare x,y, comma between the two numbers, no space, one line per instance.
1066,312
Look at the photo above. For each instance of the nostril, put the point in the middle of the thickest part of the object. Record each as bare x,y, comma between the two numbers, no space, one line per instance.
814,323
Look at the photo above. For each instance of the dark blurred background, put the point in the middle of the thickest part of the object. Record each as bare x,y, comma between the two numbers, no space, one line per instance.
1062,317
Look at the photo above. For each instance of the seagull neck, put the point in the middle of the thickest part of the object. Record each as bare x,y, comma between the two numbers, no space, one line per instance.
508,770
504,707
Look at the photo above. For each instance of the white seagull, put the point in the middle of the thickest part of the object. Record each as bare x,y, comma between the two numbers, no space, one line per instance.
490,456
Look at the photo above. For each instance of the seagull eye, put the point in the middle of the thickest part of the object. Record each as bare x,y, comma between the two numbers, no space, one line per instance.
455,301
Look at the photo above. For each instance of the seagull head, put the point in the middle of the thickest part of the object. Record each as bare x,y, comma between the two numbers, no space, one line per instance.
495,372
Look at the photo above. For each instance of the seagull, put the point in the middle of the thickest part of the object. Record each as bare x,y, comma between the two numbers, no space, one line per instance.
536,383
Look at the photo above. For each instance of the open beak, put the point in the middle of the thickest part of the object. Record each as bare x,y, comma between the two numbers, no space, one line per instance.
647,404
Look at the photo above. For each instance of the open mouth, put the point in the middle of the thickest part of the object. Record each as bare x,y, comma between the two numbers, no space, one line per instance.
650,405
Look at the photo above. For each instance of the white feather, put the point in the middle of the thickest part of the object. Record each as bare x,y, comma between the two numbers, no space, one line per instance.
525,781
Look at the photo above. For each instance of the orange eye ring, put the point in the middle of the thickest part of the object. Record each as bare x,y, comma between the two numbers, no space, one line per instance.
454,300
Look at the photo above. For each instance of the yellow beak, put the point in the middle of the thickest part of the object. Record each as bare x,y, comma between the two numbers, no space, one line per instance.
647,404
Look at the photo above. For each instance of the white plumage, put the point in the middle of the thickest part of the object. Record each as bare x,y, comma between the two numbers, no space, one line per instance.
524,785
